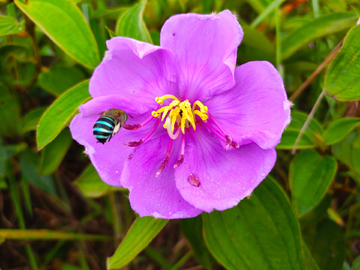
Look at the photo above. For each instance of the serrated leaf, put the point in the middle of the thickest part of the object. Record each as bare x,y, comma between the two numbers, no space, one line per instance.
60,112
259,233
58,79
54,152
342,80
131,24
10,26
310,176
64,24
320,27
142,231
338,129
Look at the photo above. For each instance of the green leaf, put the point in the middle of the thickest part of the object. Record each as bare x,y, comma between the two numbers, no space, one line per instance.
3,185
131,24
3,159
32,118
60,112
10,26
317,213
257,40
90,183
54,152
356,264
326,242
192,229
338,129
259,233
320,27
348,151
342,80
308,140
9,112
58,79
309,262
142,231
64,24
28,164
310,176
49,235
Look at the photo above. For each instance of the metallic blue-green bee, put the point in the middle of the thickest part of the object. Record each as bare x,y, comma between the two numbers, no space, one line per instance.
109,124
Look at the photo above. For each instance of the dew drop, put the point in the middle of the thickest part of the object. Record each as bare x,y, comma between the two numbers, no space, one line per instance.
193,180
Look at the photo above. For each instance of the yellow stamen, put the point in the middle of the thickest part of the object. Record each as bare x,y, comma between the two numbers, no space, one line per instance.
180,112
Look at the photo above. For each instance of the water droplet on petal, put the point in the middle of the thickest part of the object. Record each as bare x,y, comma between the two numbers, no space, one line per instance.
193,180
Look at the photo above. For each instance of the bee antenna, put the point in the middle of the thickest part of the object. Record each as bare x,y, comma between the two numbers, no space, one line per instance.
130,116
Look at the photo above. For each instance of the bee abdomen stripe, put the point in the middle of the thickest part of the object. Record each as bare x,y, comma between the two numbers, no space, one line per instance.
100,129
100,122
98,136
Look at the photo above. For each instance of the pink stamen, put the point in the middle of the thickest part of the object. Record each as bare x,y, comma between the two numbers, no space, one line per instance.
182,152
135,144
227,138
137,126
166,160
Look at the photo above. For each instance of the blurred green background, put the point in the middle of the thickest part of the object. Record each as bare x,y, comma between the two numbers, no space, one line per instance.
56,213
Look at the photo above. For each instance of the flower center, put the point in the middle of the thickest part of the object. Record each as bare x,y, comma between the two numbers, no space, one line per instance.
180,113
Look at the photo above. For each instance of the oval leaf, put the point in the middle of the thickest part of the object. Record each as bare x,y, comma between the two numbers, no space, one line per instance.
64,24
60,112
342,79
256,233
32,119
326,242
192,229
131,24
58,79
310,176
54,152
317,28
10,26
91,184
142,231
308,140
348,152
337,130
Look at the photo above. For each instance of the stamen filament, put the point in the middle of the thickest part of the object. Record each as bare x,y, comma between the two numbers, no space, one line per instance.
170,130
182,152
160,100
166,160
137,143
137,126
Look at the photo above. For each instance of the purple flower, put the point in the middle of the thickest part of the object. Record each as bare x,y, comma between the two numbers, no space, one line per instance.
202,132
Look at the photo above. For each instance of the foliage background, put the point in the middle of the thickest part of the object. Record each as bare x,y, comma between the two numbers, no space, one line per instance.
56,213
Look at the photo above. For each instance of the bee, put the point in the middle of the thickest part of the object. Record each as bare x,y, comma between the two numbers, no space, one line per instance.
109,124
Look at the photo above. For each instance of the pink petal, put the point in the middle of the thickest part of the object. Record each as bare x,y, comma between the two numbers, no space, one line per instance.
150,195
213,178
136,70
109,158
256,109
205,48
